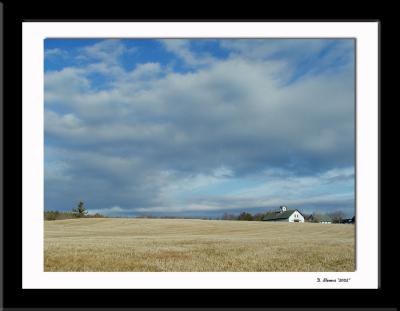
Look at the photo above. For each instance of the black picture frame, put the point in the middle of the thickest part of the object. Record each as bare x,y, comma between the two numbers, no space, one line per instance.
16,297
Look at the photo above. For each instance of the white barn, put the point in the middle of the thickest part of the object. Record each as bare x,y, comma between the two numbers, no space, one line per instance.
284,215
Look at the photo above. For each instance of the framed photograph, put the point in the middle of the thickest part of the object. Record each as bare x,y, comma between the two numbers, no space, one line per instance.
198,158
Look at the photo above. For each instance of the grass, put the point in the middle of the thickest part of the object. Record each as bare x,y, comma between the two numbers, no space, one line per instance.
111,244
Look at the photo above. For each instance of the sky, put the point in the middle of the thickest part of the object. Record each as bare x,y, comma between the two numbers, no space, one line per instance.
199,127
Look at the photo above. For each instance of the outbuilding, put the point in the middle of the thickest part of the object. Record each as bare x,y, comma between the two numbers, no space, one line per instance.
325,219
322,219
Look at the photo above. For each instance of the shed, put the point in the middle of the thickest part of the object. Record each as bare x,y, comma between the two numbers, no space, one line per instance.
325,219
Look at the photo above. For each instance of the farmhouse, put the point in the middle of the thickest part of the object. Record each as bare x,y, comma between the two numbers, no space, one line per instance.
285,215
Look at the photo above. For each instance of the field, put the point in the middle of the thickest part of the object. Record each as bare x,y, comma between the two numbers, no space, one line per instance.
118,244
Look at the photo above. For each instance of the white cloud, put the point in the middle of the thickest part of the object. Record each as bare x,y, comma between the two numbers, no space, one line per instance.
114,210
240,115
181,48
146,70
306,205
287,185
53,53
65,86
290,50
105,51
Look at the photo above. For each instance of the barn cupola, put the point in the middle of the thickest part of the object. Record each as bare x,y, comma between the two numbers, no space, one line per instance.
283,208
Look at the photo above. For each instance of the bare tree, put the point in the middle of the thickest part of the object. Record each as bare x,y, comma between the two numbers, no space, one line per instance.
245,216
337,217
227,216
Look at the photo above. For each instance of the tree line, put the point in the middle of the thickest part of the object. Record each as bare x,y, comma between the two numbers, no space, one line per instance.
335,217
79,212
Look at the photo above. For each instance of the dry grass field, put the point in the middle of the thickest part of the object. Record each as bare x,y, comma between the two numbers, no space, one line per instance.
196,245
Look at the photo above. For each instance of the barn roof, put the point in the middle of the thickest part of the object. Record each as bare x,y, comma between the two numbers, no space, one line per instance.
325,218
278,215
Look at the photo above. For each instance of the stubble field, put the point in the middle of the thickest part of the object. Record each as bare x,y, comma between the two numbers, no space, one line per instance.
118,244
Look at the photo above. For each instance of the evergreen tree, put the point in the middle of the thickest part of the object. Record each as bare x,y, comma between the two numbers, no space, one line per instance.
80,211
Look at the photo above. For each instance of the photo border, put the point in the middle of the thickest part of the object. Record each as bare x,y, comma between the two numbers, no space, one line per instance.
17,296
37,33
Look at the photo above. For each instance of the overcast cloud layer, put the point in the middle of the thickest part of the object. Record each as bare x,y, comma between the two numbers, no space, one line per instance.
199,127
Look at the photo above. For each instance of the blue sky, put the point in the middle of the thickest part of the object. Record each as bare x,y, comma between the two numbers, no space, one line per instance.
199,127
